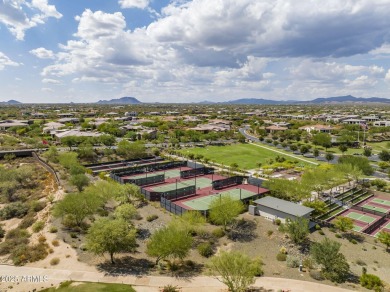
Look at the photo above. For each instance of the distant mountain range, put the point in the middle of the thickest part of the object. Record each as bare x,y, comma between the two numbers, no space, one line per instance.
122,100
349,99
10,102
322,100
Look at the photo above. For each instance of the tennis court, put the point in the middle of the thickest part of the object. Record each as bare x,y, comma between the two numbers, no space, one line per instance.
381,201
201,182
203,203
361,217
375,208
357,228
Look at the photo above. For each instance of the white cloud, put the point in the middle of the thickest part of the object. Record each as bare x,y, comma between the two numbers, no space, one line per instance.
276,27
5,61
382,50
20,15
387,77
42,53
227,47
50,81
46,9
141,4
362,82
332,72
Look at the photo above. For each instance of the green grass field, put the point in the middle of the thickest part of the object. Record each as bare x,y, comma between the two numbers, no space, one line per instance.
245,155
375,146
90,287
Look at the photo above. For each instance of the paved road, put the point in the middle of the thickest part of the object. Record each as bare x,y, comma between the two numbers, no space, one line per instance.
152,283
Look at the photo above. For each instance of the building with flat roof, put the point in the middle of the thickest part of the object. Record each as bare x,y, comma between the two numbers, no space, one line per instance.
274,208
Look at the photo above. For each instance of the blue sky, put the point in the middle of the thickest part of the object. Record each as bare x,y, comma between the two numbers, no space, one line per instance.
189,51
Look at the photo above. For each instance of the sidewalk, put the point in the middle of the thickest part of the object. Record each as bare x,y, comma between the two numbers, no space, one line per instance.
149,283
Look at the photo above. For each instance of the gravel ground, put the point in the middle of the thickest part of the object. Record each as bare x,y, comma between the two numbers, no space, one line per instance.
259,244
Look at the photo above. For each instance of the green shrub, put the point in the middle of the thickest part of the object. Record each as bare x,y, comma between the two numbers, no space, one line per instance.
281,257
170,288
292,262
54,261
37,206
318,227
69,221
218,233
23,254
316,275
42,238
205,249
38,226
17,233
151,218
53,229
332,229
321,232
338,235
27,221
308,262
269,232
371,282
278,222
282,228
13,239
360,262
13,210
353,241
73,235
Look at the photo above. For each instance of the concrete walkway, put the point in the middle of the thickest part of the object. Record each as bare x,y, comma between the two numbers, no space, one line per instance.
283,153
146,284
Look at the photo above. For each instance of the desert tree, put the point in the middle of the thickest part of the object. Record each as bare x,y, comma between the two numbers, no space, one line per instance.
110,236
236,270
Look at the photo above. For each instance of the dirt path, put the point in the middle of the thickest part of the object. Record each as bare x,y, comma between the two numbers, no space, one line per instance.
55,276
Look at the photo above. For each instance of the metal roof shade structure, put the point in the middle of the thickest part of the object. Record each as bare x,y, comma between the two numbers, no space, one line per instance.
284,206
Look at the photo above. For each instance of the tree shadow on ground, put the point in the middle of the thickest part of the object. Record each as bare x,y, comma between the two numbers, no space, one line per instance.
143,233
304,247
184,270
259,289
352,278
126,266
242,230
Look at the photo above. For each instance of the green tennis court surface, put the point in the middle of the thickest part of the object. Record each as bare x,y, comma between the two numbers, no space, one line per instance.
361,217
357,228
374,208
201,182
168,174
380,201
203,203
